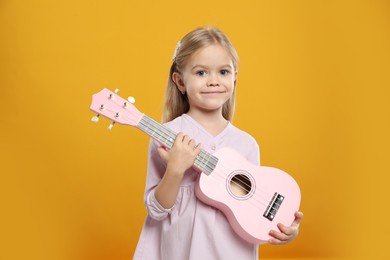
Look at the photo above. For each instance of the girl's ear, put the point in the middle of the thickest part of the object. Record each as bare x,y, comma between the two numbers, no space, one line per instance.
176,77
235,78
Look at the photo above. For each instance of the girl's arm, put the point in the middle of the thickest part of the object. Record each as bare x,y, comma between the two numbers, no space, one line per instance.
179,158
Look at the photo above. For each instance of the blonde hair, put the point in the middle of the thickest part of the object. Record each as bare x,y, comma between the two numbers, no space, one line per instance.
175,103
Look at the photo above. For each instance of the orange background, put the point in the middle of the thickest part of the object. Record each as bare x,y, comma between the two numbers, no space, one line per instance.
313,89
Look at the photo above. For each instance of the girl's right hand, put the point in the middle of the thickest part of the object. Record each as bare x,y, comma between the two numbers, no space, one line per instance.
181,156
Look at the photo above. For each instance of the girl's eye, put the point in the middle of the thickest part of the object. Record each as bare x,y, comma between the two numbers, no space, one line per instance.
224,72
201,72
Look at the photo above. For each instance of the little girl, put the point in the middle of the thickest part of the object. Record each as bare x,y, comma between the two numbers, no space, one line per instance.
199,105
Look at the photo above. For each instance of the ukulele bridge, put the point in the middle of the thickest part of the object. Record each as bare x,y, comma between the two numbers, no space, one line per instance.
273,206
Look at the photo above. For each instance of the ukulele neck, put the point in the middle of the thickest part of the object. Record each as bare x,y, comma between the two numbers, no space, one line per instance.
204,162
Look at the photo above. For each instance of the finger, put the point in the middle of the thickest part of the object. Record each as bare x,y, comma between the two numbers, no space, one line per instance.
285,229
279,235
198,147
179,138
186,139
298,218
277,241
192,146
192,143
274,241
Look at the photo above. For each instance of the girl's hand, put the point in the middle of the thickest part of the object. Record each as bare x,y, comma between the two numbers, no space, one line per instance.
182,155
286,234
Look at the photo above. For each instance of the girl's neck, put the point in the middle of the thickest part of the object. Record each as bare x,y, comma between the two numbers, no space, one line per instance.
213,122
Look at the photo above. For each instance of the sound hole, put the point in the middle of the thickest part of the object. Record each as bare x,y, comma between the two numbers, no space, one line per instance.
240,185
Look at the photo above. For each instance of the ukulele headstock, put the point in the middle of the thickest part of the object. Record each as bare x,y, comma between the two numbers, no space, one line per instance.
110,105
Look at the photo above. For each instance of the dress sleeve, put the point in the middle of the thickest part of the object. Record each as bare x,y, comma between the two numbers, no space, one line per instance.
254,153
155,171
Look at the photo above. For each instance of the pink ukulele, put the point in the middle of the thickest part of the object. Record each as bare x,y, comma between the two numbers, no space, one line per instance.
253,198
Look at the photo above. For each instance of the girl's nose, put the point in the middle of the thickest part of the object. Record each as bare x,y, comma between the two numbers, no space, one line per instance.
212,81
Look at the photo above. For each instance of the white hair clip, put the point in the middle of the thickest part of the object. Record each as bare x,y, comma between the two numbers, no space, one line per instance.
176,51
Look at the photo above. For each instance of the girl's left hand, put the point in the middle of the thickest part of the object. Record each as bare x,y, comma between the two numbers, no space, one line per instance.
286,234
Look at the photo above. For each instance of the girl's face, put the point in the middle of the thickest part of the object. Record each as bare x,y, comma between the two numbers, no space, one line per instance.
208,79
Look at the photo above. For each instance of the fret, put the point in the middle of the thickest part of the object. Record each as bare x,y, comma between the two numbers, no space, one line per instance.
206,161
200,161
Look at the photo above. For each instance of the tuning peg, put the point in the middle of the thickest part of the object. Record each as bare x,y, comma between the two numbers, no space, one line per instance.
116,91
131,100
111,126
95,119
